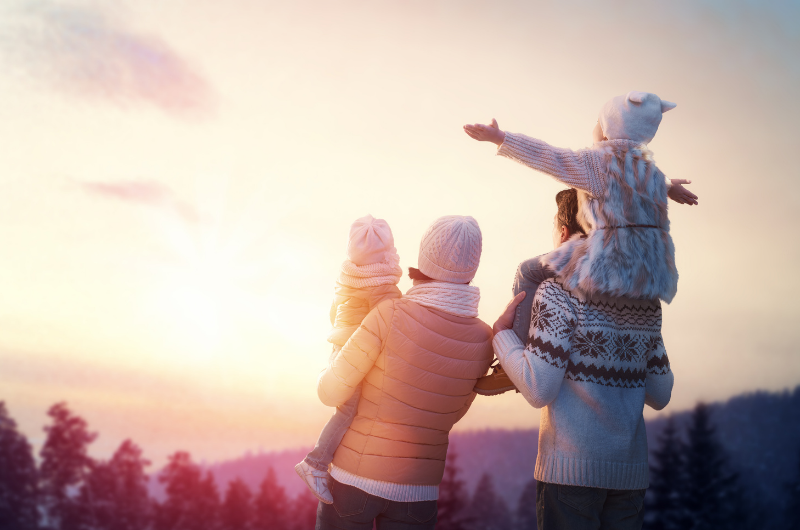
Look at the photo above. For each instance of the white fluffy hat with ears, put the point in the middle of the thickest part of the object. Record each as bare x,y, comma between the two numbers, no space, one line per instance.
634,116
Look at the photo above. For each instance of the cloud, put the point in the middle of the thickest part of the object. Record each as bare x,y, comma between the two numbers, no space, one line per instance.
147,193
92,54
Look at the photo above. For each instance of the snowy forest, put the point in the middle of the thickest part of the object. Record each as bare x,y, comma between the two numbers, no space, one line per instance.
695,484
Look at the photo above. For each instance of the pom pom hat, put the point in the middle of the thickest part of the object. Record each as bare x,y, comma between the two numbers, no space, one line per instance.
450,250
634,116
371,241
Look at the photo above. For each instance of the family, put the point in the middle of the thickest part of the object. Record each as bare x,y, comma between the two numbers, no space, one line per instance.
581,339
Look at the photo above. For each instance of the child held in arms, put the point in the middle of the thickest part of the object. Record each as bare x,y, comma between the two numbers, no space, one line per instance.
625,122
368,277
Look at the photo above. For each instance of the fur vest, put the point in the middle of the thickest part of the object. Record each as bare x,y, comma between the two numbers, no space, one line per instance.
627,251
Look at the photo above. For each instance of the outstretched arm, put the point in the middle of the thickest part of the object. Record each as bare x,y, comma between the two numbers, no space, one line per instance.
567,166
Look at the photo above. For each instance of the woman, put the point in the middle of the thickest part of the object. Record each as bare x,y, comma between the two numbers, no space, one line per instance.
418,358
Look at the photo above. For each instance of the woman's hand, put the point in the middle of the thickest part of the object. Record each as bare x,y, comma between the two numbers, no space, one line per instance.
506,320
486,133
680,194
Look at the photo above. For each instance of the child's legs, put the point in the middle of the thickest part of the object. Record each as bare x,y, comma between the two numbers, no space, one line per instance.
333,432
530,274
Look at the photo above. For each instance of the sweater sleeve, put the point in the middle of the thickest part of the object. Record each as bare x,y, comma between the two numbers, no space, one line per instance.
576,169
537,370
658,385
356,358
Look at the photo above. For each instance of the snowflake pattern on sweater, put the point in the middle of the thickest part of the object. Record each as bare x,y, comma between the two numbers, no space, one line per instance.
597,341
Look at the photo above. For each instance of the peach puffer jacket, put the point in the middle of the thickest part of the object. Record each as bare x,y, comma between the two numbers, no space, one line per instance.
419,367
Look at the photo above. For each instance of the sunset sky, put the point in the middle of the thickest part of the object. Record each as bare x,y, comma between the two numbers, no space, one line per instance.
179,177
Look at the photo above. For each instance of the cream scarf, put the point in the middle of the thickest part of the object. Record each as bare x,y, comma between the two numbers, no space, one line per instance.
386,272
457,299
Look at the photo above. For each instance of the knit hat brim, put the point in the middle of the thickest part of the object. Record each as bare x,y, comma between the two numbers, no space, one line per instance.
436,272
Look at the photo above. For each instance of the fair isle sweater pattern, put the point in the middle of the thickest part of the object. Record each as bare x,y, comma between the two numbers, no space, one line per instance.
615,346
591,364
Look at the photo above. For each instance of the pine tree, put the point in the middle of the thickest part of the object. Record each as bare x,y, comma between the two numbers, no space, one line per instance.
452,496
18,477
115,492
237,508
303,510
192,501
526,509
271,505
487,510
712,496
65,465
665,509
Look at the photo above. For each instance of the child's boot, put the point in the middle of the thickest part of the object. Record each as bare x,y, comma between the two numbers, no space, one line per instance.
316,480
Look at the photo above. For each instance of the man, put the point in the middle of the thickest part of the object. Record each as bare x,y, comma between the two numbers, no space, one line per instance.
530,274
591,361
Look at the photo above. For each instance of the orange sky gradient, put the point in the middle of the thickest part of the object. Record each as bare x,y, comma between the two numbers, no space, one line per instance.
179,178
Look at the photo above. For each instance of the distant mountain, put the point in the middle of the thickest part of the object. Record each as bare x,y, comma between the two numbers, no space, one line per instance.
760,431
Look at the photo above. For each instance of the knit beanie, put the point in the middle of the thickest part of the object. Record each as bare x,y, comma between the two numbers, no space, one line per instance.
450,250
634,116
371,241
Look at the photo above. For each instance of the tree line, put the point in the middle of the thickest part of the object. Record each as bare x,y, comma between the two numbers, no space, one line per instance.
692,487
69,490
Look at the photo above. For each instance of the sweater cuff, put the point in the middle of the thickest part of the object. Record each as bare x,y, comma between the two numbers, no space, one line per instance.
511,146
504,342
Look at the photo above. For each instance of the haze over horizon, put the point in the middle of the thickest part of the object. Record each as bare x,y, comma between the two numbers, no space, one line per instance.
179,179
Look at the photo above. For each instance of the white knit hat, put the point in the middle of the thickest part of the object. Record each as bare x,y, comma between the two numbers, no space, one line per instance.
371,241
450,250
634,116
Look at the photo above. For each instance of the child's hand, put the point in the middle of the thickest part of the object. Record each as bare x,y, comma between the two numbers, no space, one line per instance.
680,194
506,320
486,133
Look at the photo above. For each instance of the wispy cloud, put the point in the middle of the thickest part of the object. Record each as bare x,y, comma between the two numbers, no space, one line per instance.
89,52
148,193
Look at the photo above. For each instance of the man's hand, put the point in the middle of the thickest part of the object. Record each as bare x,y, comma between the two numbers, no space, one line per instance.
486,133
506,320
680,194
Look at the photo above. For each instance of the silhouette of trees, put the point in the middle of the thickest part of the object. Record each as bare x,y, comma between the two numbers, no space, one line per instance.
65,465
192,501
237,508
692,486
487,511
452,496
303,511
664,510
526,508
18,477
271,505
114,495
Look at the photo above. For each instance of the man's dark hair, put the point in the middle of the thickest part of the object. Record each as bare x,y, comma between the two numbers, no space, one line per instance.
567,201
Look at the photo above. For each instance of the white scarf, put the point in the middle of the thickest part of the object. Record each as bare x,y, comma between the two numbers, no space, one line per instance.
457,299
386,272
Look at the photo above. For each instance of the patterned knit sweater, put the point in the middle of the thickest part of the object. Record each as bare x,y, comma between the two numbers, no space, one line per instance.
592,364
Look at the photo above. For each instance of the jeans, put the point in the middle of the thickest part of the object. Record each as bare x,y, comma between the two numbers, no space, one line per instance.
354,509
530,274
331,436
579,508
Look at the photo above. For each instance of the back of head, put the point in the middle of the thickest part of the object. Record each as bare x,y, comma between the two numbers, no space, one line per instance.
634,116
450,250
371,241
567,202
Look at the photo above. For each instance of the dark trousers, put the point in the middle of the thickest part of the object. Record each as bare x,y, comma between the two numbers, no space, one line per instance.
353,509
560,507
